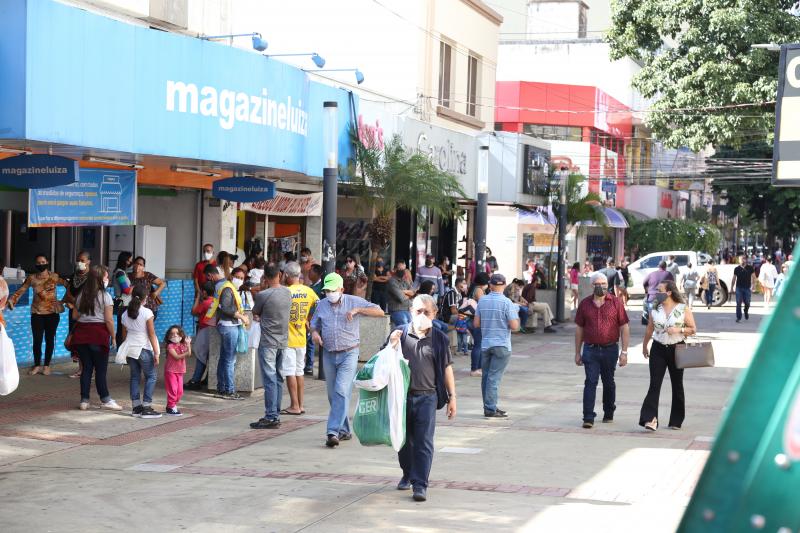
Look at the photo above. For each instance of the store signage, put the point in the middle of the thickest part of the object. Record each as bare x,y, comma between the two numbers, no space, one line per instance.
609,186
243,189
289,205
786,154
99,197
37,171
445,155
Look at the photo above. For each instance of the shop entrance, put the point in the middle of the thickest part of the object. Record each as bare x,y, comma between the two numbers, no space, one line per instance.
286,234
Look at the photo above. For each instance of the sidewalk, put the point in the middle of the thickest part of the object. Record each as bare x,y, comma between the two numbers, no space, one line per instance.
65,470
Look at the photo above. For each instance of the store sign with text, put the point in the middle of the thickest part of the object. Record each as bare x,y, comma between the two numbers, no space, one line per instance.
37,171
288,205
786,155
243,189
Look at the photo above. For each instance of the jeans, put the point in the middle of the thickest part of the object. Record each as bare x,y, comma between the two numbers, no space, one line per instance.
442,326
494,360
690,293
743,297
310,349
199,370
145,365
226,366
662,359
93,359
599,362
416,455
340,371
523,316
44,326
400,318
475,361
273,389
463,342
709,294
200,348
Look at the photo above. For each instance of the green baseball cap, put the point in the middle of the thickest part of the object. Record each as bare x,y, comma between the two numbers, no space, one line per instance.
333,282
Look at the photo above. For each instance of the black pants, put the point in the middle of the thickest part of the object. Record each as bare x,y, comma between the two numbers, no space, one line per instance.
44,326
118,310
93,359
662,359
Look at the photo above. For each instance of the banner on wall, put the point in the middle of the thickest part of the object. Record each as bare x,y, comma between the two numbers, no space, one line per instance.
288,205
99,197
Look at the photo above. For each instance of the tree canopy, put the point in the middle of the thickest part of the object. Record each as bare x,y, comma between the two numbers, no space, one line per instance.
709,86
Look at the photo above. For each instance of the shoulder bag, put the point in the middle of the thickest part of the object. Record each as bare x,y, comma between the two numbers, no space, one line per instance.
694,354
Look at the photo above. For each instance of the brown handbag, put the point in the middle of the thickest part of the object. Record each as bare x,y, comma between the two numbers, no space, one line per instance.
694,354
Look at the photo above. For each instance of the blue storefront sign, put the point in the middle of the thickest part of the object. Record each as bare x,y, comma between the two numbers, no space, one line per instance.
76,78
609,186
98,198
243,189
37,171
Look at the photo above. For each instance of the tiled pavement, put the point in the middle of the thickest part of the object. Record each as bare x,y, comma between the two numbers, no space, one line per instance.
537,470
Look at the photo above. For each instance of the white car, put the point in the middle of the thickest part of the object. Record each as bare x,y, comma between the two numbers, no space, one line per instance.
643,266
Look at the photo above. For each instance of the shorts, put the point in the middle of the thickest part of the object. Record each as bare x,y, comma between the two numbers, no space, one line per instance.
574,286
293,362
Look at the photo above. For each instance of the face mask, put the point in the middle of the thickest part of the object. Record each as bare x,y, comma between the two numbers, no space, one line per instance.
661,297
421,322
175,339
400,273
41,268
334,297
237,282
599,290
105,283
303,259
207,256
80,265
428,263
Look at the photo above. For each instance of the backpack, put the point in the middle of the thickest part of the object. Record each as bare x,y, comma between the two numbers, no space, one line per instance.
444,310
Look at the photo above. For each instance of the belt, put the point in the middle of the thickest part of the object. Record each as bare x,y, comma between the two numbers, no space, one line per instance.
601,345
421,392
345,350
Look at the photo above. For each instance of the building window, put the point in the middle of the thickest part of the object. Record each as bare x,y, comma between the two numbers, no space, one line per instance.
472,85
445,73
554,133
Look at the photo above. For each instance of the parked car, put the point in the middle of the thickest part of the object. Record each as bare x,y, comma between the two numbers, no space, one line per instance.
643,266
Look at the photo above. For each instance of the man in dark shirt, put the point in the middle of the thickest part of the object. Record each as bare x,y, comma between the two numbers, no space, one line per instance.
612,276
744,276
433,385
601,321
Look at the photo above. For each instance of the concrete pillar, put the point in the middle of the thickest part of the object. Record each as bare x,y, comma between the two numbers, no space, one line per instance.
219,225
314,236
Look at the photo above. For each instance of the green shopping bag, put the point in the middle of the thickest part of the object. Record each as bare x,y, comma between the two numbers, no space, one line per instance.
371,421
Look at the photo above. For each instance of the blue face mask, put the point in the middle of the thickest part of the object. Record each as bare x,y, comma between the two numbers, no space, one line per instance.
661,297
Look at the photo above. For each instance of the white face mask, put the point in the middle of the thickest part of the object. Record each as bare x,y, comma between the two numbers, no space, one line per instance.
237,282
334,297
175,339
421,322
105,283
208,255
80,265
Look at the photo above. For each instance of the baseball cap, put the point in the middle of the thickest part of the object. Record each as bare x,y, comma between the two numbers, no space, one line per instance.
497,279
333,282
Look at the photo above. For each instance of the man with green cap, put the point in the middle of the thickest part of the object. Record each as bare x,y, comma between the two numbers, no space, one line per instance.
335,327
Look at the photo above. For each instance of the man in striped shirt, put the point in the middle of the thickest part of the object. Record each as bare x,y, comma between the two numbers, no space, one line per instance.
430,272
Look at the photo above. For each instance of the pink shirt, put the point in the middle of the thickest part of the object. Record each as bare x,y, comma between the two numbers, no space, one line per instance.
573,276
176,366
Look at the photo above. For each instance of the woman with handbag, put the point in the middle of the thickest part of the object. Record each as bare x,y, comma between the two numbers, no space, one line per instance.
153,285
46,311
670,322
74,287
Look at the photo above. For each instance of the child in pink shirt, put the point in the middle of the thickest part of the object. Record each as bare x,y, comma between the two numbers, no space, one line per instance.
179,347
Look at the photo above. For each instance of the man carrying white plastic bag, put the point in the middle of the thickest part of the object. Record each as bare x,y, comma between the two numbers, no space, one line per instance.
433,386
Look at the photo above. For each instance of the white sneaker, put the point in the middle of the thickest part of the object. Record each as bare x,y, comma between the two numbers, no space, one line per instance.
83,406
112,405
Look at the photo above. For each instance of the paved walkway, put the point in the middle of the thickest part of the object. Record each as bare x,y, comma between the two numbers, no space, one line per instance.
62,469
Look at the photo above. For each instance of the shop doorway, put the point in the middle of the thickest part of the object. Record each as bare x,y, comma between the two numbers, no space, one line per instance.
286,234
70,241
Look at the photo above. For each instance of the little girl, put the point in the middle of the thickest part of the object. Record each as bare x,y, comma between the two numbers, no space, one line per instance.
178,349
463,332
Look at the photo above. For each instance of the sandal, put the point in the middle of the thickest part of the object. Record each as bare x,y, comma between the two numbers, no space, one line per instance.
287,412
46,371
652,425
35,370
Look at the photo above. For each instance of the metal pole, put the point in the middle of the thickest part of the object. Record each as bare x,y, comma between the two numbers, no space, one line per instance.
481,215
330,186
562,234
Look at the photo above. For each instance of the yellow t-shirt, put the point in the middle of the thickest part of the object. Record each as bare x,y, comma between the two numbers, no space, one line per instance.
303,299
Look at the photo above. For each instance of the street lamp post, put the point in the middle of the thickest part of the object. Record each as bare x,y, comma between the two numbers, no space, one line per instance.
330,186
563,176
481,213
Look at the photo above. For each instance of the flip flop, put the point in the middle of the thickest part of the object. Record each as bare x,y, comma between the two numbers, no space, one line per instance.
287,412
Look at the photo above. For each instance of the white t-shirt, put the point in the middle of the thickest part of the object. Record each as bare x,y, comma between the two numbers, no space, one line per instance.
767,275
98,316
139,325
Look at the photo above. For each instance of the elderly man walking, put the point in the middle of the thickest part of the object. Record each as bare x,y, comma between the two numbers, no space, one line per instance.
601,322
335,327
497,317
427,350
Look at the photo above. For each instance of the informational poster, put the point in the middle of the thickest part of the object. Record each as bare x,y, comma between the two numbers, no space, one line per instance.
99,197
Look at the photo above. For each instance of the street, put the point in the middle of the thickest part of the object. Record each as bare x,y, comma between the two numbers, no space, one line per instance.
66,470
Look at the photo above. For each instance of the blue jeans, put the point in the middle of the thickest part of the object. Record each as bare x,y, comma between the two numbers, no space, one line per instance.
145,365
523,316
226,366
441,325
600,363
743,297
310,349
463,343
710,294
199,370
340,371
400,318
475,360
273,389
416,455
495,360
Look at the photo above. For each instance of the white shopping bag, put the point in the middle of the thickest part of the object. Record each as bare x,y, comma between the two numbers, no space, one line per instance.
375,374
398,391
9,373
254,334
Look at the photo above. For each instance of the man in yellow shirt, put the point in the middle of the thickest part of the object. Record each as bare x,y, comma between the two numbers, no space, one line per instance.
294,358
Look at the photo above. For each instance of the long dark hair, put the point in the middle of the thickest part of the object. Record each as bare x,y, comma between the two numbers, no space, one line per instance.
122,260
138,296
91,290
480,279
673,291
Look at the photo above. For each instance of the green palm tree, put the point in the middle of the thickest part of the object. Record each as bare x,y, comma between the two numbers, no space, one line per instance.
394,178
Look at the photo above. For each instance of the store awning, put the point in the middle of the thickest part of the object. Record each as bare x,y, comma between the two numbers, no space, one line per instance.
614,219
